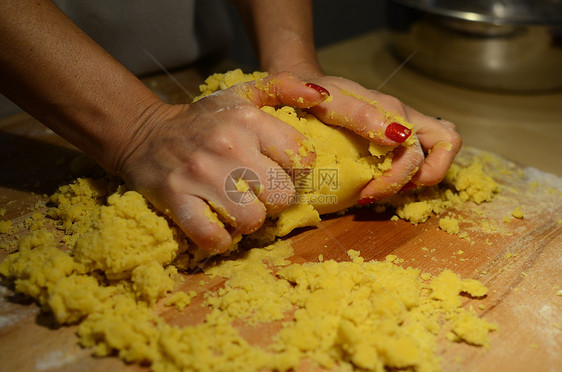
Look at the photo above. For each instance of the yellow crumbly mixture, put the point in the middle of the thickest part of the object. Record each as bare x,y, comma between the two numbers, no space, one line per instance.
461,185
345,163
449,224
123,259
367,315
518,213
5,227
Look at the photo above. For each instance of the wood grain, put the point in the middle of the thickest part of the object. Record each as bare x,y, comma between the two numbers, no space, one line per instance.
521,263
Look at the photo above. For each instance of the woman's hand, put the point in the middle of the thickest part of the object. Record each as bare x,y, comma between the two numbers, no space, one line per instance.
283,35
423,163
182,155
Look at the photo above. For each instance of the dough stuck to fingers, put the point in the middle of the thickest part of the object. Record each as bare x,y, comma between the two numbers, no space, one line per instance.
126,259
299,187
345,163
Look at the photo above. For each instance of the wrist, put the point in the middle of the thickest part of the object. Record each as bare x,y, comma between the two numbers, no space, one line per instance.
105,124
301,60
130,134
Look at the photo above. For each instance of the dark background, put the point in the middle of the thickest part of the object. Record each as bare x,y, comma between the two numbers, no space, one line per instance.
334,20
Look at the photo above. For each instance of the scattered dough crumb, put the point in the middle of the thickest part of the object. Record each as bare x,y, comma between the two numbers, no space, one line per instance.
180,299
5,227
449,224
123,258
517,213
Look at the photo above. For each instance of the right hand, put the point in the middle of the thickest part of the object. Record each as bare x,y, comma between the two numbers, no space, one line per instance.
423,163
181,155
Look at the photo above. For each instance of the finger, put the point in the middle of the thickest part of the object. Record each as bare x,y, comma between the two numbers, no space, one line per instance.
231,155
279,188
435,166
447,123
440,141
273,137
231,191
405,164
365,116
205,177
197,221
265,181
287,147
269,168
241,211
283,89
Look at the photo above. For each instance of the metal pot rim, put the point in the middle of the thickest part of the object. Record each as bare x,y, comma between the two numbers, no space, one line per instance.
544,12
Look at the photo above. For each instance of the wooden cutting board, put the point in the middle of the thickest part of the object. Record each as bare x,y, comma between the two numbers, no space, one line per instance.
521,264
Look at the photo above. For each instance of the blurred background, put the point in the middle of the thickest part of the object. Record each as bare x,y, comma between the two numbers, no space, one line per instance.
334,21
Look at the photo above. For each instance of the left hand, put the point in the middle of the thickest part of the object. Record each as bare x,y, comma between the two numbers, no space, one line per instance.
423,163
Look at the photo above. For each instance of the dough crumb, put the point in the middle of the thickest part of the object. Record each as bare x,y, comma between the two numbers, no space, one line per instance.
119,262
6,227
349,314
517,213
472,330
449,224
180,299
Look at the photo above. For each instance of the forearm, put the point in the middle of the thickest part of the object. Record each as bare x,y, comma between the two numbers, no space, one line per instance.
54,71
282,34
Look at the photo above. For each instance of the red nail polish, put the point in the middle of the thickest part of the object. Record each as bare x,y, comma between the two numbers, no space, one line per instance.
365,201
397,132
323,91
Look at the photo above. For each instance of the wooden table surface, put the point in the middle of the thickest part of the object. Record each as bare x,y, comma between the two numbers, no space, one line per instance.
522,266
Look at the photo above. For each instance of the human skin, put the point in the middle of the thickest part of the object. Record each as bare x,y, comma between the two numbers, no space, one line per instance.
282,34
178,156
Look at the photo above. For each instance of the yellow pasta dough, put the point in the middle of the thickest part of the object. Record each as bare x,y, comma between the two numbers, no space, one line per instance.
123,258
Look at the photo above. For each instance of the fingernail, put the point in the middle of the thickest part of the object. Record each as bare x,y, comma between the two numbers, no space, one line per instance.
365,201
323,91
397,132
410,185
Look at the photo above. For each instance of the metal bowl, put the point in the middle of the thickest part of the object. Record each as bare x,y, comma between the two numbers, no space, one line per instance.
500,45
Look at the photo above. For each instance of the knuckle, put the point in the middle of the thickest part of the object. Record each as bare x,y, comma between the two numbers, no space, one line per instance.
364,114
197,165
283,75
245,114
221,141
394,102
171,185
456,141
